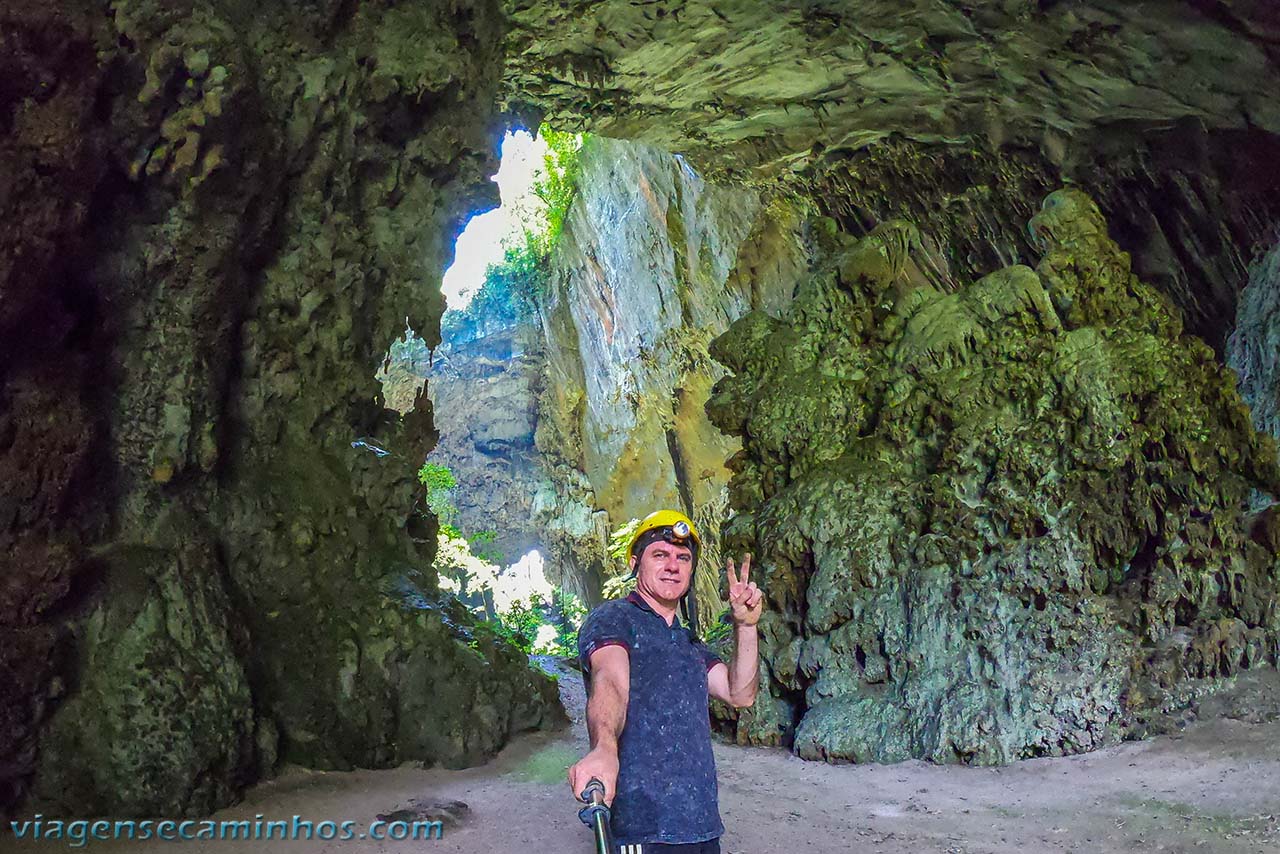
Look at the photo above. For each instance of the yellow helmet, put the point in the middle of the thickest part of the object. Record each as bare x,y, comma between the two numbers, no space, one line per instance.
681,529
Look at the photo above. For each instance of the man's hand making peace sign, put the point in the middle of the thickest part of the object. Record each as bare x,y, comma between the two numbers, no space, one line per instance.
745,599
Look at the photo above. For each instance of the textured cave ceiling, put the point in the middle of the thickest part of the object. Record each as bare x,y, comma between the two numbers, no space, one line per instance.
758,90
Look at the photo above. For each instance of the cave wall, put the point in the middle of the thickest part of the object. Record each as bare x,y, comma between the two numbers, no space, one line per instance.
653,262
1192,205
957,116
227,213
995,519
484,395
217,216
52,148
1255,342
959,120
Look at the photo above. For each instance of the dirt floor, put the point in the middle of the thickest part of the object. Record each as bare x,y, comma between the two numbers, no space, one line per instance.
1213,788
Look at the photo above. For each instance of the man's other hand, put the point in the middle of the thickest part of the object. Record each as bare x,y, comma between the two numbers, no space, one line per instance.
745,599
602,764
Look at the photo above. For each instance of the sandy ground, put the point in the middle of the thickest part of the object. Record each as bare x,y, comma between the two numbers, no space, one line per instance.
1214,788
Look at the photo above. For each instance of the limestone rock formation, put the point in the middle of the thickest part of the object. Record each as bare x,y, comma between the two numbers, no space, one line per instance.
216,218
215,222
653,262
1190,204
1254,344
996,520
483,394
957,116
766,88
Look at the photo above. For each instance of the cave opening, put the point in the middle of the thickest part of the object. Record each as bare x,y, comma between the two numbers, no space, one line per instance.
480,479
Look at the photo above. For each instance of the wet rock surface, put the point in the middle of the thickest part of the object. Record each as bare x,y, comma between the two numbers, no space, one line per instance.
996,520
1252,348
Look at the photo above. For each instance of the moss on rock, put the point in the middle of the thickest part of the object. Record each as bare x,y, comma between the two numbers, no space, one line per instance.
272,192
996,522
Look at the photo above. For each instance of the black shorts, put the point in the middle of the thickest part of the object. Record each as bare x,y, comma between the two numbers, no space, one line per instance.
711,846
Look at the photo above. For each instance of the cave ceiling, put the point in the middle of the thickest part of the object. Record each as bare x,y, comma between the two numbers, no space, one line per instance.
756,90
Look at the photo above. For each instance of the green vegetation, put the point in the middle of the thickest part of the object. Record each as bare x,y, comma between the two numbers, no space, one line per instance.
719,631
546,765
472,573
478,540
520,623
559,182
509,293
620,540
617,586
566,613
440,484
512,289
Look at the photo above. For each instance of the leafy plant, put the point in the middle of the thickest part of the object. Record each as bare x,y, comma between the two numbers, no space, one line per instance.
469,577
436,477
567,613
620,540
520,624
719,630
509,293
621,584
558,184
440,484
617,586
512,288
478,540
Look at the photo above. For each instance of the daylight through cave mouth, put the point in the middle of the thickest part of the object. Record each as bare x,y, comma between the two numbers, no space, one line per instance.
477,480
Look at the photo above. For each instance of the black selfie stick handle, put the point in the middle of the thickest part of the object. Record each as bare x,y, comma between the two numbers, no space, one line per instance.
595,815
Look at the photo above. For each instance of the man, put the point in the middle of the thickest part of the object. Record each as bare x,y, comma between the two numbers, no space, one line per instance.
648,681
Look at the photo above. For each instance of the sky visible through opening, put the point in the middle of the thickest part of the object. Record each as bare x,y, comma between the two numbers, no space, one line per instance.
483,240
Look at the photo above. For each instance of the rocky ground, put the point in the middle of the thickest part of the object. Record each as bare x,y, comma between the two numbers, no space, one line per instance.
1213,788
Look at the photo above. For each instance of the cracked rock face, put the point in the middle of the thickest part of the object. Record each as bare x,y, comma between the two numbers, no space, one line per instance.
483,395
997,519
774,88
653,262
1253,344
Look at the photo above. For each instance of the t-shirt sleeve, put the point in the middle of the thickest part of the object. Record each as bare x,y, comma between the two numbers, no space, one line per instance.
603,627
709,658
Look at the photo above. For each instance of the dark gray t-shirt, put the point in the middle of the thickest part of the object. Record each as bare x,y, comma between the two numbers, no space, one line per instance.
667,773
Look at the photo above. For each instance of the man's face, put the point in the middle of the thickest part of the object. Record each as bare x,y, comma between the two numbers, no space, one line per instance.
664,570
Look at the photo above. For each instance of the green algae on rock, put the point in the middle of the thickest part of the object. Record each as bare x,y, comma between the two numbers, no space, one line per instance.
1001,521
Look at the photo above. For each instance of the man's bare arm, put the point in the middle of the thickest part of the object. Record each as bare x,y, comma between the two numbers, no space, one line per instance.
606,716
737,683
